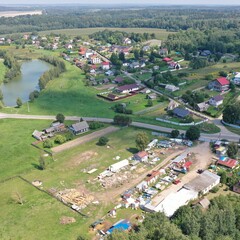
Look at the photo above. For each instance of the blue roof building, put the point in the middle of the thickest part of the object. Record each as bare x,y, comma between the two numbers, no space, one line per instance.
122,225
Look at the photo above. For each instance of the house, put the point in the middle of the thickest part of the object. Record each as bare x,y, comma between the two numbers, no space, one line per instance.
236,187
152,96
220,84
141,156
201,107
203,183
204,203
69,46
220,150
152,177
163,52
174,65
127,41
89,53
95,59
205,53
216,100
181,112
105,65
128,88
118,80
82,51
172,105
146,48
229,163
109,73
80,127
142,186
38,135
112,97
145,91
236,79
171,88
166,59
134,65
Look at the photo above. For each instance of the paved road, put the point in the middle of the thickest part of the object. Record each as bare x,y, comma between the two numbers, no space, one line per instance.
225,134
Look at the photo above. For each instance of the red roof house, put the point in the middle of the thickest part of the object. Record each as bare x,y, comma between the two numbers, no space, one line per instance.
230,163
166,59
141,156
220,84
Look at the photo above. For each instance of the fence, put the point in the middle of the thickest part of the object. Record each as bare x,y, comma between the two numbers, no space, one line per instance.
182,124
231,125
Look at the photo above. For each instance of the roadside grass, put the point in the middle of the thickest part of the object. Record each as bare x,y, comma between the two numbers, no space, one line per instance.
161,34
142,77
17,155
233,130
38,218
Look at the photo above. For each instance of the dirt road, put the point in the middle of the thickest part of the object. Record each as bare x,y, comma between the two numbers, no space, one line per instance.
110,195
203,159
84,139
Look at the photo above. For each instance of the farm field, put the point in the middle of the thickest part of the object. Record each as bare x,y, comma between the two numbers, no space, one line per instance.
161,34
8,14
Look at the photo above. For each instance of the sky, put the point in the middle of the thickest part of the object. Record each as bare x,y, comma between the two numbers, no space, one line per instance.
137,2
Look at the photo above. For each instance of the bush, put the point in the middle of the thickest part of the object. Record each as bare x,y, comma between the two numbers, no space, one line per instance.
69,136
95,125
47,143
103,141
214,190
60,139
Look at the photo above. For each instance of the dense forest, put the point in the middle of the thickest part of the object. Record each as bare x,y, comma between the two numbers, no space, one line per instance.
220,222
170,18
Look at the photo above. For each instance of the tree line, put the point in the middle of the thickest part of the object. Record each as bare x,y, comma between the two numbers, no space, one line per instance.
169,18
13,66
59,67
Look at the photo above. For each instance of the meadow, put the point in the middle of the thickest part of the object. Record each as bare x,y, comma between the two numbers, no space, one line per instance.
161,34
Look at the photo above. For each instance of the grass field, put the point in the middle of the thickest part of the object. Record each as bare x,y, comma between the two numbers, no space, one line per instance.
38,218
17,155
161,34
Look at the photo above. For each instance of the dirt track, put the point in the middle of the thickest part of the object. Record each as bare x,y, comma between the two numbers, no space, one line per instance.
84,139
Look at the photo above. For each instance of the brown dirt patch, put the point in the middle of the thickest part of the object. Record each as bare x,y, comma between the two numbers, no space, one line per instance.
75,161
67,220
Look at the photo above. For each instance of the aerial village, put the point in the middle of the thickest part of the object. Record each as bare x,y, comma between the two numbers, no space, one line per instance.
169,172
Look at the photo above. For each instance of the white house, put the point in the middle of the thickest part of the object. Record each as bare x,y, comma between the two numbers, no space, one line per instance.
95,59
89,53
128,88
236,79
216,100
127,41
105,65
171,88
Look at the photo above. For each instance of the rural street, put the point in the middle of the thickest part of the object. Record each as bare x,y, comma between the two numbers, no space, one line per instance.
224,134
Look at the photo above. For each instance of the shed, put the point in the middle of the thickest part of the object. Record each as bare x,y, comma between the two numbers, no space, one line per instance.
119,165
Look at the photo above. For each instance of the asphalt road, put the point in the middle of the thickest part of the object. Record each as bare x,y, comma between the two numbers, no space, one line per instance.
224,134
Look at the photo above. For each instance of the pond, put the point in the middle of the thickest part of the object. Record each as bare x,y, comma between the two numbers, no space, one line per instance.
25,83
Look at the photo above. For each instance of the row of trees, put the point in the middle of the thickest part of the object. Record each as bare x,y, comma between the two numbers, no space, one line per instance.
59,67
14,68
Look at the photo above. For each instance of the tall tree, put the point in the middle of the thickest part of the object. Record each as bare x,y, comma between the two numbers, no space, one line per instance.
142,141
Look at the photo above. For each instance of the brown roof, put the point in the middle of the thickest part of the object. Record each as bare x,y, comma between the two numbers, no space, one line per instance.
142,154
